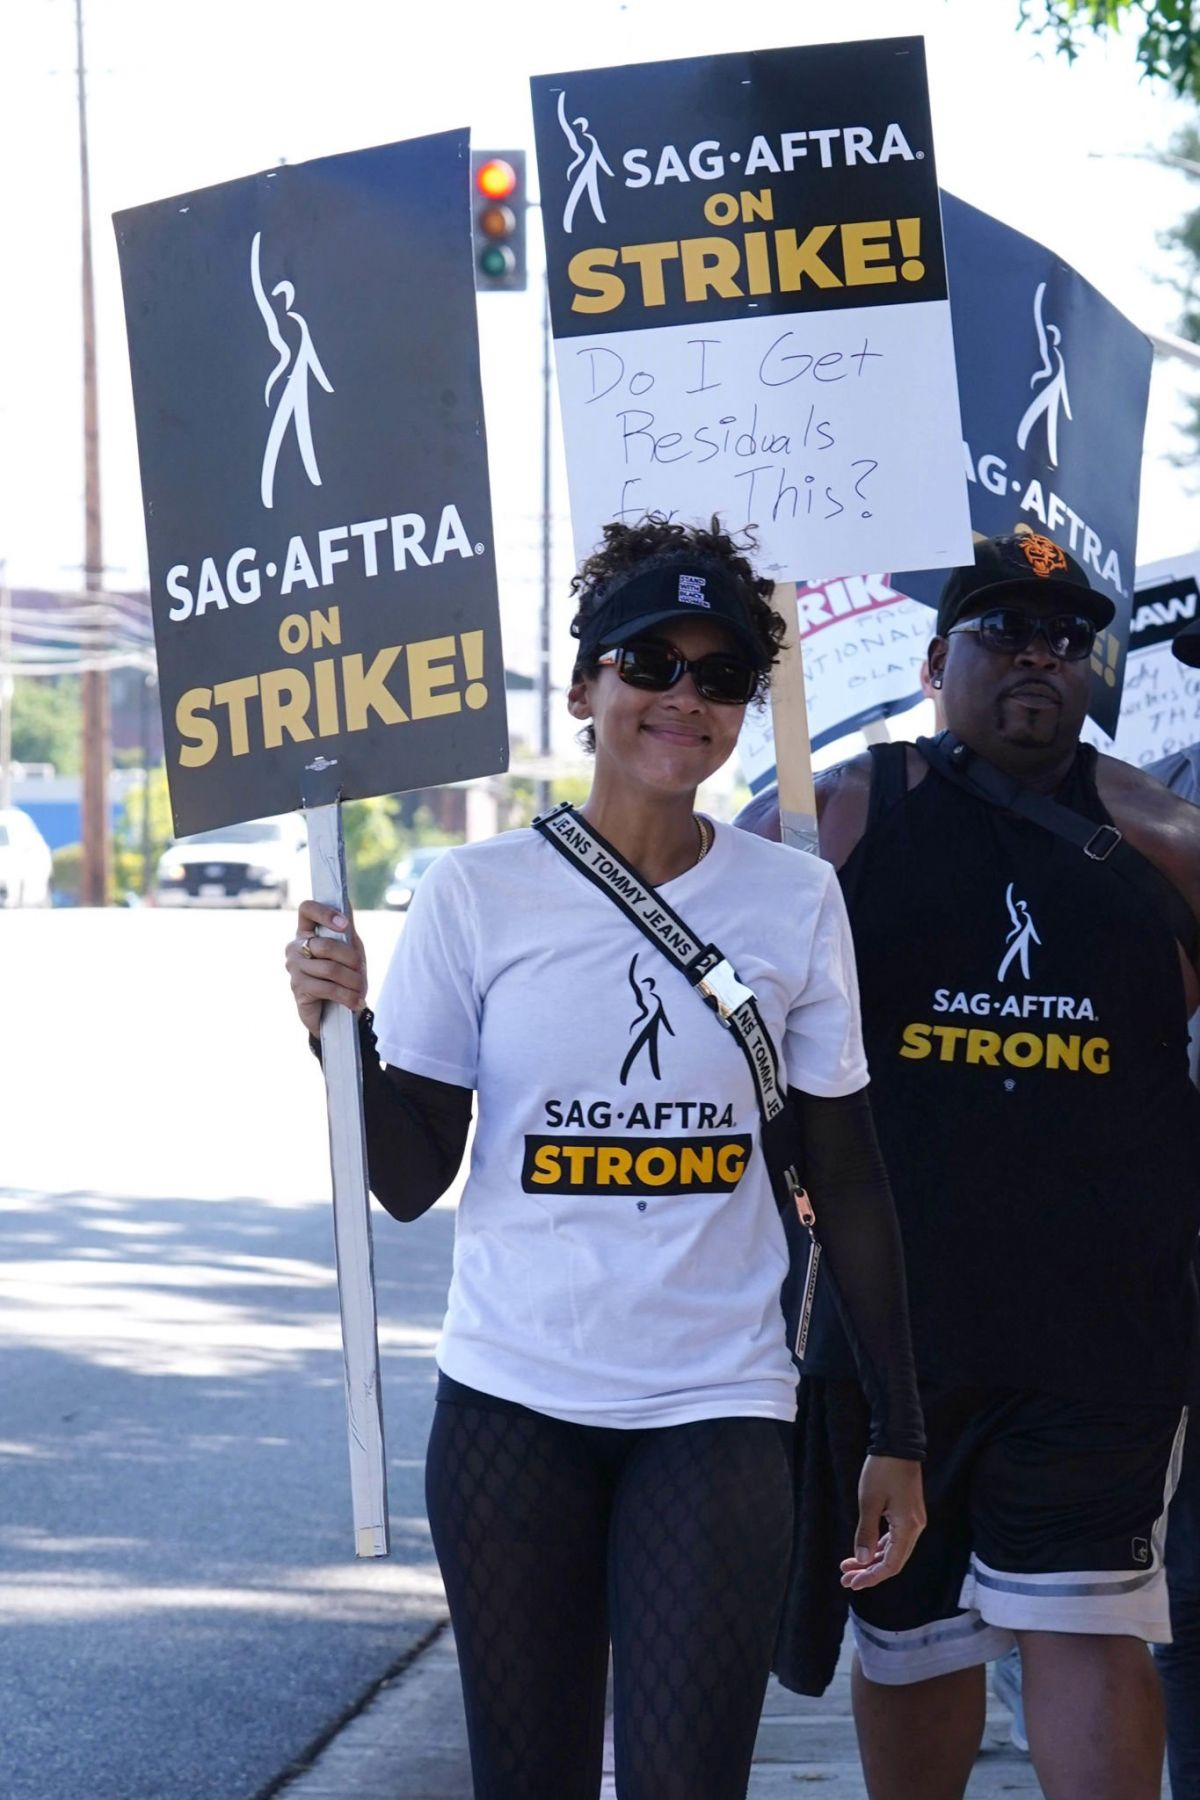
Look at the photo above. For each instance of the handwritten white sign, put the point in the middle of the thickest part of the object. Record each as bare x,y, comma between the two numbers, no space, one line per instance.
834,434
1160,701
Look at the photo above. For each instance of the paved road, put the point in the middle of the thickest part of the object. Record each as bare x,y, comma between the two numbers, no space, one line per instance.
182,1613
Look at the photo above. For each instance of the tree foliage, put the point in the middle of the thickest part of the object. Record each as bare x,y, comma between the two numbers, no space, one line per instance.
128,871
373,844
1168,33
47,722
1183,240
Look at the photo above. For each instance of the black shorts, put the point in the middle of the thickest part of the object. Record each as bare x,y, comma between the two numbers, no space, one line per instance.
1045,1514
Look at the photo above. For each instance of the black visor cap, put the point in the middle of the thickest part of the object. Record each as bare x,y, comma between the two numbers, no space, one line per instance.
665,588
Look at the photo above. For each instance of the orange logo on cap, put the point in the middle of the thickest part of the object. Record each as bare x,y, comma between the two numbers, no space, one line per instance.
1043,556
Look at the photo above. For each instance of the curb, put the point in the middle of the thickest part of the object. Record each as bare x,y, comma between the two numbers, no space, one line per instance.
409,1725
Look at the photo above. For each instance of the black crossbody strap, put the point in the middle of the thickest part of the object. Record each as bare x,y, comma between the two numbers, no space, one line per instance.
703,965
889,780
1099,843
713,977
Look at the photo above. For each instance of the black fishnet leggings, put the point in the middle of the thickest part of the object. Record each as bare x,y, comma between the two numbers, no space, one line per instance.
552,1537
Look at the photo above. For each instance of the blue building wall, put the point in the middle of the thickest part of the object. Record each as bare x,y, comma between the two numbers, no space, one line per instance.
55,806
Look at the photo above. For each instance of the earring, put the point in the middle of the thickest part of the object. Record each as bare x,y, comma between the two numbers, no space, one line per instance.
935,681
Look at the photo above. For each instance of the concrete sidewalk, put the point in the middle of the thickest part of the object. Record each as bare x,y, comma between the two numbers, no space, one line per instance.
409,1743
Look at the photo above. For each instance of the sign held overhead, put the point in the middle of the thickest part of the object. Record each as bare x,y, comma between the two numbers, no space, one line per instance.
748,295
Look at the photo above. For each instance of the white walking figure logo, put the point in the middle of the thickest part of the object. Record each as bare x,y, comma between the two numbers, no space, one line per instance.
292,404
1023,933
588,162
1054,394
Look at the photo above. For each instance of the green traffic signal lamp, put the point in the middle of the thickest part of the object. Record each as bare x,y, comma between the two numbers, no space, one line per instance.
497,261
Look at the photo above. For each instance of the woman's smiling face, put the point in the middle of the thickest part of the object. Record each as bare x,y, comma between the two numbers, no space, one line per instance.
669,741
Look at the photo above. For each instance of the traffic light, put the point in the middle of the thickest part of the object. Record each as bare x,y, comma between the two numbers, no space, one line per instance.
498,220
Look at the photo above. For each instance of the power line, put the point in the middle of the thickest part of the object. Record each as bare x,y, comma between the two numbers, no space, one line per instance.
77,634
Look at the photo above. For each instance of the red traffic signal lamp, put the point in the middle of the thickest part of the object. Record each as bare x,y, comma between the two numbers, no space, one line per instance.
498,220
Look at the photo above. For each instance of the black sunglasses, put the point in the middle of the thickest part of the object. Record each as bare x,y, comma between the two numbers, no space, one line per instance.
1009,630
656,665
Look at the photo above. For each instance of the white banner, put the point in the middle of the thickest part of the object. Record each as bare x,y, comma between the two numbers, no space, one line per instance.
863,644
1160,704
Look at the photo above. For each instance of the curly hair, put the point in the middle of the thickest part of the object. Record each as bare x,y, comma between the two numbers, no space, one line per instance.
625,546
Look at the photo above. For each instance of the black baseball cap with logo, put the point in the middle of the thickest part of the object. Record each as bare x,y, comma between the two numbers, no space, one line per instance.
670,585
1023,562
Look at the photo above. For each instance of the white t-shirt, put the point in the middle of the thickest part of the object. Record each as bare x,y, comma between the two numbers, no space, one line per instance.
618,1252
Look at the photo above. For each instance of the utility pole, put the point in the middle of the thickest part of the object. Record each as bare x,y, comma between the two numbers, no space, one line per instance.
6,692
543,800
147,680
94,872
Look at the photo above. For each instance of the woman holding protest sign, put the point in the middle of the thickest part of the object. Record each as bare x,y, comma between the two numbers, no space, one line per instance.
610,1457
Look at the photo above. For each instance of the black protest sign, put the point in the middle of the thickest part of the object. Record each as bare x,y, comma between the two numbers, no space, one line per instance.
1053,385
674,192
1161,610
314,469
748,294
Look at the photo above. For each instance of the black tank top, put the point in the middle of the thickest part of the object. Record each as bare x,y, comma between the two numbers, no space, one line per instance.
1026,1031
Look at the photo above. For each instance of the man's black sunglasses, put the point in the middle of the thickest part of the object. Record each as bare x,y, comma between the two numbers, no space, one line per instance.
656,665
1010,630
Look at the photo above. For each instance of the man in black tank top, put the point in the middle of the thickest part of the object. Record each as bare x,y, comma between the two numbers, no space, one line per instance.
1025,1009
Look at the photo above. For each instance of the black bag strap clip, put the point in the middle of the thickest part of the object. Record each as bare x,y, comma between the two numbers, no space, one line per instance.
1102,843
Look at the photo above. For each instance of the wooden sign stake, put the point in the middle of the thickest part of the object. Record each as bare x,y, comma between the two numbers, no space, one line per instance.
351,1203
789,722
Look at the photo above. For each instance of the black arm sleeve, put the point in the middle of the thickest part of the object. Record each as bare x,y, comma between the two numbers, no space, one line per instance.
416,1130
859,1234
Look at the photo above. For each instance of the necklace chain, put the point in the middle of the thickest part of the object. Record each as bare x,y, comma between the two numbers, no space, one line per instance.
706,836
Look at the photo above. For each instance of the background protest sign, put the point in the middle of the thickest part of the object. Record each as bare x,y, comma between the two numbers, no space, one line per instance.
864,644
314,470
1160,706
1053,383
748,296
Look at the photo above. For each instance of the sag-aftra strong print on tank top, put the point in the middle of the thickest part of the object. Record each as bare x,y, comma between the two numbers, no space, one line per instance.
1025,1028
